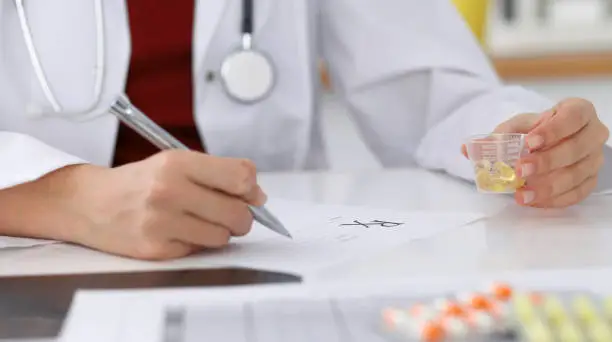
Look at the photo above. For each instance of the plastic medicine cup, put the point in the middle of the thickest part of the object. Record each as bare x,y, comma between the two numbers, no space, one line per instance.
494,158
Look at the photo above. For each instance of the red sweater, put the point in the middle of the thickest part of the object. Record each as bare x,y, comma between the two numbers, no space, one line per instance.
160,76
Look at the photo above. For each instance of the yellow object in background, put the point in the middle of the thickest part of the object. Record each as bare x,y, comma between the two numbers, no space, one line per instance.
475,14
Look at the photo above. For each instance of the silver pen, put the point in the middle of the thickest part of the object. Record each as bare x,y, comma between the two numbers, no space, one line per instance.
143,125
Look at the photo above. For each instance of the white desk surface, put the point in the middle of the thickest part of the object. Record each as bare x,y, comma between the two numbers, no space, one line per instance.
514,239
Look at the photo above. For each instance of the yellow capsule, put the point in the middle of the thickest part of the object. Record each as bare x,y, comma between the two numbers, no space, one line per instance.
496,177
607,307
538,332
585,309
523,308
498,187
599,331
504,171
569,332
483,180
517,183
554,311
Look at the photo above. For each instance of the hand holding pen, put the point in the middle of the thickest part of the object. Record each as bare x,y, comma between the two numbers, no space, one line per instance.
167,206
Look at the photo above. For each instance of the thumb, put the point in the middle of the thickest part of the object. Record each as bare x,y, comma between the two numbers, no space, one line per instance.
521,123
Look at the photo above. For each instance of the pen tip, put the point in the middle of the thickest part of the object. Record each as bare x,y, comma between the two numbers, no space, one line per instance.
285,233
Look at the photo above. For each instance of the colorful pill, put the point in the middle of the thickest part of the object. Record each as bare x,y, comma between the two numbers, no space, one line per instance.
537,332
523,308
502,314
607,307
504,171
454,327
498,187
600,332
501,291
481,321
476,301
569,332
584,309
450,308
497,177
554,310
429,331
499,310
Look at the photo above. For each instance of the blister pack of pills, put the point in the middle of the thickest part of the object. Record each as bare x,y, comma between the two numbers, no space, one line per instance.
502,314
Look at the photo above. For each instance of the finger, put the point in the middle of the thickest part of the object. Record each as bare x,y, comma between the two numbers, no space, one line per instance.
190,230
256,197
571,117
545,116
520,123
571,197
209,205
464,151
233,176
566,153
547,186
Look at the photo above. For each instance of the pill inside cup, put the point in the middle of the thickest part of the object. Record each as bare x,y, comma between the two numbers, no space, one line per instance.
494,158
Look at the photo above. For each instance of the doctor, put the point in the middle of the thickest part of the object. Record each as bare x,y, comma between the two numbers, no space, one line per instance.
409,70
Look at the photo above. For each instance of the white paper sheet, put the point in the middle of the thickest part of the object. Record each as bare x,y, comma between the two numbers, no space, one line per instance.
9,242
326,235
275,312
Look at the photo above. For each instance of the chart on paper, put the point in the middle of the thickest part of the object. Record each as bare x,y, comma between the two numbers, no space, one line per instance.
325,235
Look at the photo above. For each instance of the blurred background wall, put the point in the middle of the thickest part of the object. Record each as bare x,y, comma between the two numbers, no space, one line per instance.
559,48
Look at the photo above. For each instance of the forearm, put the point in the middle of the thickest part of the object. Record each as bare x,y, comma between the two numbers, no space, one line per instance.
35,180
43,208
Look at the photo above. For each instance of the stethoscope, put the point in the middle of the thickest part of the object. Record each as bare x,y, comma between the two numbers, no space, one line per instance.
247,75
236,71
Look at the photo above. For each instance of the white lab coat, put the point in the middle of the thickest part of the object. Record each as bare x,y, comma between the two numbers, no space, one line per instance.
410,72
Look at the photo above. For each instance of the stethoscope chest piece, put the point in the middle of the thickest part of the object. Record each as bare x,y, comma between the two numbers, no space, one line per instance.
247,75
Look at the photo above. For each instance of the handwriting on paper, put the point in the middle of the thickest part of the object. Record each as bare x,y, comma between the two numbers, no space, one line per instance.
373,223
